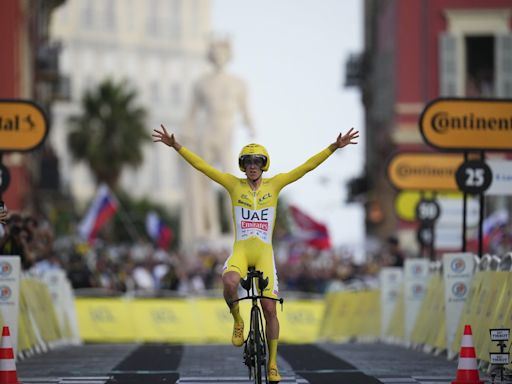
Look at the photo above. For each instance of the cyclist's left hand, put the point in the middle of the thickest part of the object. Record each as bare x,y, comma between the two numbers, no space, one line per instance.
346,139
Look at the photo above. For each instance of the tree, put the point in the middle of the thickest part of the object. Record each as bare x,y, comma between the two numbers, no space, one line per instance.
110,132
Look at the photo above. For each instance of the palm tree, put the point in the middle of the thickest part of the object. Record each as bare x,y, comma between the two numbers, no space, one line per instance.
110,132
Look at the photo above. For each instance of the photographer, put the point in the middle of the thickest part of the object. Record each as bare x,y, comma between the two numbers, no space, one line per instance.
15,240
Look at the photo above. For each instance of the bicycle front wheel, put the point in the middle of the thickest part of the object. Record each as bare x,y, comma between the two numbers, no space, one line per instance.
259,346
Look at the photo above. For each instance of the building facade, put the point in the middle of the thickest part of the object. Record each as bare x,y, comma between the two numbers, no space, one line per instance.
158,47
27,71
416,51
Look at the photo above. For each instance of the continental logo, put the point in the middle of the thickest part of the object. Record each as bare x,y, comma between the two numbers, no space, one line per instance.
468,124
23,125
424,170
418,171
443,122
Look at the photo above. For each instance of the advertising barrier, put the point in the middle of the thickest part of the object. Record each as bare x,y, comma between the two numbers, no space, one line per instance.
434,297
457,273
185,320
415,283
10,276
390,280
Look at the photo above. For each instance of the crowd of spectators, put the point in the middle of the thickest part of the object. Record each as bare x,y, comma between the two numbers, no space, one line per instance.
144,269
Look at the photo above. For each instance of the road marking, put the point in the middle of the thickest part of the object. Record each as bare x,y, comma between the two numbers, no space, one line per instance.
234,380
65,380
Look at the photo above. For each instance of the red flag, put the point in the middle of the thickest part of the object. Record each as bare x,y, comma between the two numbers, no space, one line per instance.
158,231
309,230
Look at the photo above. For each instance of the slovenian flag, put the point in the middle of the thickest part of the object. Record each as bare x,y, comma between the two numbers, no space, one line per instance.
103,207
308,230
160,233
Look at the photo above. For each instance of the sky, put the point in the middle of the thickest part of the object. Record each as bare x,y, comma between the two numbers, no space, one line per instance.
292,54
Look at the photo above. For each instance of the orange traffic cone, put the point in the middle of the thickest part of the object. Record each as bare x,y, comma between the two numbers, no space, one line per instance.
467,371
7,362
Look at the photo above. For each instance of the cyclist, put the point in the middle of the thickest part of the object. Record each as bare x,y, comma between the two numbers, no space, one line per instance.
254,201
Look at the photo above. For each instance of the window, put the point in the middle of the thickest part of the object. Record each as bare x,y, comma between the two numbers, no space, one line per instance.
475,54
480,66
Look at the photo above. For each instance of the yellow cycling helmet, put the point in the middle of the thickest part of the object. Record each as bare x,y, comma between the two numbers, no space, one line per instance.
254,150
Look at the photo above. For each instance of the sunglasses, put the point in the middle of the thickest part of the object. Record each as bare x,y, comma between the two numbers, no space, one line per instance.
256,160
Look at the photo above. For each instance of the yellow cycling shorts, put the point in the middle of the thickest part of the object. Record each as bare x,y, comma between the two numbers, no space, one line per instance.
254,253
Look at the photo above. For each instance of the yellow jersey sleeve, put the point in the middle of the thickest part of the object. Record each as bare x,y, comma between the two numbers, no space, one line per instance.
225,179
283,179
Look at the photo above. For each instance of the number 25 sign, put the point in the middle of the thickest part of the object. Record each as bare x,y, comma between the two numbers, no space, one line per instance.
474,176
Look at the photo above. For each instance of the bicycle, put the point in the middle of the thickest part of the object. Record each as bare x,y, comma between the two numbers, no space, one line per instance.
255,345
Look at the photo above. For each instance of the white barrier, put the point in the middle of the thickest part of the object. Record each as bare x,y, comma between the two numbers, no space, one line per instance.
10,275
457,273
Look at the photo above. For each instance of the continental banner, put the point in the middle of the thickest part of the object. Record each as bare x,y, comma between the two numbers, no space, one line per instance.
468,124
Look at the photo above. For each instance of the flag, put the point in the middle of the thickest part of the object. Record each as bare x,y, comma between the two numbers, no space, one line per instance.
160,233
103,207
307,229
493,228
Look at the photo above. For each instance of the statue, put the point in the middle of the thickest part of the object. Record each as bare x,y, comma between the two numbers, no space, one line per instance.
218,98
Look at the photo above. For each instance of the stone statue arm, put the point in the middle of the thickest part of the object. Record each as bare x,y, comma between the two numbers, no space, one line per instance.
244,111
189,131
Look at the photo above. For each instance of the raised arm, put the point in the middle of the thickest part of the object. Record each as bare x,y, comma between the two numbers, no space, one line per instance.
319,158
344,140
164,137
224,179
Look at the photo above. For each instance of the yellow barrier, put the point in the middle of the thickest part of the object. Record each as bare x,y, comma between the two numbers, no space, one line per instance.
300,319
489,305
350,315
431,312
396,329
194,320
339,317
40,306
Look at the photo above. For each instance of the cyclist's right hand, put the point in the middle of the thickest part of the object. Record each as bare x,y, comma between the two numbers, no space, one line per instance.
164,137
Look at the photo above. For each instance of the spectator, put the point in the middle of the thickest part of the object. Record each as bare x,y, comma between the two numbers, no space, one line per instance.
79,274
15,242
395,255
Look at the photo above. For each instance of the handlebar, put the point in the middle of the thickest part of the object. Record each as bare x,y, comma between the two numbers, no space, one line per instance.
253,297
246,283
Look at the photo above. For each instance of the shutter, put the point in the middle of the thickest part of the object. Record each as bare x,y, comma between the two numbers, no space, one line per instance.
503,75
447,65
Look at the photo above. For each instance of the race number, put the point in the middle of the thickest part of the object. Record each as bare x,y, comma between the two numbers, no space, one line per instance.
425,235
427,211
474,176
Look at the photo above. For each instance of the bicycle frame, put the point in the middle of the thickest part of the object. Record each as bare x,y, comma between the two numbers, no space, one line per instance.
255,346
